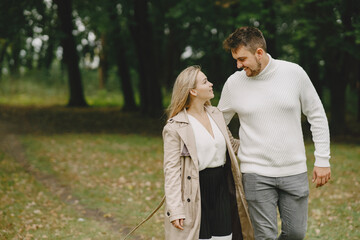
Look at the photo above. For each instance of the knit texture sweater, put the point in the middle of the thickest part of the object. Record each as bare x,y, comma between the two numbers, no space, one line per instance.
269,108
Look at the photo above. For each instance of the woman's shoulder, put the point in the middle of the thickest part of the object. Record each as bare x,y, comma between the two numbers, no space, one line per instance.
171,124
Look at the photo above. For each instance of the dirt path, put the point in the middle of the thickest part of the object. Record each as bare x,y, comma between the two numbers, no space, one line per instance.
11,145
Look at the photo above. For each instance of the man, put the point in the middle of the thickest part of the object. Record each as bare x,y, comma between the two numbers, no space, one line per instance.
269,96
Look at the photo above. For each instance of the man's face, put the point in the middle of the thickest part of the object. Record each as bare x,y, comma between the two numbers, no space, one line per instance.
247,60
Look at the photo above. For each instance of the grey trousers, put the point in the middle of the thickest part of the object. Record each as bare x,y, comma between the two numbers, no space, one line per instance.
267,194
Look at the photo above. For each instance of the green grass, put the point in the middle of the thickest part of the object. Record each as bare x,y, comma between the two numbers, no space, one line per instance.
122,176
335,209
29,211
48,89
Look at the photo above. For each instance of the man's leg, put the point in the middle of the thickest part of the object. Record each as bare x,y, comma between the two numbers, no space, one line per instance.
262,198
293,206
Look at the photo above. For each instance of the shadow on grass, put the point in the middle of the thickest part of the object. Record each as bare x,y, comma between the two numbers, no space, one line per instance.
60,120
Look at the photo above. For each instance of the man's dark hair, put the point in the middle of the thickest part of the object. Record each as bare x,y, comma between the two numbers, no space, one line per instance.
249,37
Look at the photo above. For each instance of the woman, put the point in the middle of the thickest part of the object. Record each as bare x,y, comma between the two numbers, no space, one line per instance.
203,189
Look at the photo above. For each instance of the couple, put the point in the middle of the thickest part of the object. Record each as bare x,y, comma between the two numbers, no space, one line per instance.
208,196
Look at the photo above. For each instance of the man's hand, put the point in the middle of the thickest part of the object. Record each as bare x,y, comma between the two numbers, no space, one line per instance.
321,175
178,223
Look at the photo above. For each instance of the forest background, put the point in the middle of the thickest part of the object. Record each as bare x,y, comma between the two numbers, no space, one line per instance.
83,89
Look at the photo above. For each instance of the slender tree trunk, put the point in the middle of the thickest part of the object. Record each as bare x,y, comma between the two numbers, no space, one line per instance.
49,55
14,63
4,46
311,65
337,91
349,10
172,59
150,92
123,68
70,55
103,67
29,59
314,76
45,61
124,73
270,26
358,91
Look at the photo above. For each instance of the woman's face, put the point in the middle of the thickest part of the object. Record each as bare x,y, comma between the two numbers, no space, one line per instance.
203,89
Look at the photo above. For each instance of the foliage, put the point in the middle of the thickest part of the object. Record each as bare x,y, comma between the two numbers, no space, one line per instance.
322,36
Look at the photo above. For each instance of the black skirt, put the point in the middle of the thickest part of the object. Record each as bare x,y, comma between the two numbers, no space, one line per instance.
215,203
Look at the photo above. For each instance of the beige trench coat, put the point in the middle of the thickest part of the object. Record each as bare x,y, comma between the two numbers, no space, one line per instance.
182,189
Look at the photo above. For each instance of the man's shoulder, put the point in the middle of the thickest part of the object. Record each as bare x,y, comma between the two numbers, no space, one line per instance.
236,76
288,65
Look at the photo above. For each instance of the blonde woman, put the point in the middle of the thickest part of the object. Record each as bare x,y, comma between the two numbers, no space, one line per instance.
203,188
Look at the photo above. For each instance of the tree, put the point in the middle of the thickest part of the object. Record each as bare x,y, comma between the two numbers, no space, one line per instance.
70,55
120,54
141,29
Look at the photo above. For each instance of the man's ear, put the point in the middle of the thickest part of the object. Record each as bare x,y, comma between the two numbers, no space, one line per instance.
259,53
193,92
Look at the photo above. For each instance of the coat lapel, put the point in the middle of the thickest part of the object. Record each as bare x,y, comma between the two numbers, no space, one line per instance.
218,118
186,133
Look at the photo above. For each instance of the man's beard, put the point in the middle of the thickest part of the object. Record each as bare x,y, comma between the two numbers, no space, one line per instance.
256,71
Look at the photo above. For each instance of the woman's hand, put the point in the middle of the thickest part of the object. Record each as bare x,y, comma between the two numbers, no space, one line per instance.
178,223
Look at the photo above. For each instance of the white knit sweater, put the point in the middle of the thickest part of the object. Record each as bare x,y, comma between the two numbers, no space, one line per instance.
269,107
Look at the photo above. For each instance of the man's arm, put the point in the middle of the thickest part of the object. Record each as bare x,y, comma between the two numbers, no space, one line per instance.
225,104
314,111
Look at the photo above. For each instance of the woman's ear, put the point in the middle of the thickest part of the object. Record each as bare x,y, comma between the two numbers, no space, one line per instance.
193,92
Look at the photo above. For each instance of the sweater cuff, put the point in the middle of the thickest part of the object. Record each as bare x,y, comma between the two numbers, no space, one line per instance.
322,160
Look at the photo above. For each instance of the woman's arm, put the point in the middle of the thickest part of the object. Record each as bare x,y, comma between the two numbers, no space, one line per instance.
172,174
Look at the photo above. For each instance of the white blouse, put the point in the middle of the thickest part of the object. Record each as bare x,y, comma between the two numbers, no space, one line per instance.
210,150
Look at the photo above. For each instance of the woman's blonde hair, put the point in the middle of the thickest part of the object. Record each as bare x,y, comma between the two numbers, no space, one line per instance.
180,97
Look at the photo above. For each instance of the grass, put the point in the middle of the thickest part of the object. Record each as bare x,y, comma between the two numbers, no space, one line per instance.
122,176
335,209
48,89
112,161
29,211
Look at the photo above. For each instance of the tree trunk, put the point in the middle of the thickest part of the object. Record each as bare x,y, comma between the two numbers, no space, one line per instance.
4,46
49,54
349,11
337,91
124,73
70,55
315,78
45,61
358,91
172,59
150,92
14,63
29,59
123,68
310,63
103,66
270,26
